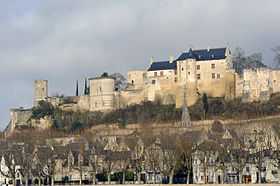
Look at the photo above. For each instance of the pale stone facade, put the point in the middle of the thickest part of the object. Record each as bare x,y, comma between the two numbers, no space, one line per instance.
192,74
19,117
102,94
258,84
136,79
40,91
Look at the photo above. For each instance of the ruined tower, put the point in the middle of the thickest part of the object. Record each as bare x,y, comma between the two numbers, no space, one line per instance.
40,91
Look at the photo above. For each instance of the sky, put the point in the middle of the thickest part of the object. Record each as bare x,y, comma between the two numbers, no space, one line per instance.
68,40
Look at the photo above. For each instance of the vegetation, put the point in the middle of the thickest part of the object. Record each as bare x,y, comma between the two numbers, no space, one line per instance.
43,109
241,61
155,112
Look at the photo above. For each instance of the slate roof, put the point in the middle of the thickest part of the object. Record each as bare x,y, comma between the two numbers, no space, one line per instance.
163,65
204,54
198,55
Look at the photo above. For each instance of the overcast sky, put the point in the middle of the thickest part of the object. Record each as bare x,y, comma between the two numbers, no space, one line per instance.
65,40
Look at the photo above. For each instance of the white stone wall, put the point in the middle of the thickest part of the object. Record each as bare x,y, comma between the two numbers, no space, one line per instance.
102,94
259,84
40,91
136,78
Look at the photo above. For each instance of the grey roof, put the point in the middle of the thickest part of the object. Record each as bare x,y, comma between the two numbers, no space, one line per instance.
163,65
204,54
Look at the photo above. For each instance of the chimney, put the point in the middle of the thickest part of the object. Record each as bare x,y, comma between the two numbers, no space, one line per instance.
151,60
171,59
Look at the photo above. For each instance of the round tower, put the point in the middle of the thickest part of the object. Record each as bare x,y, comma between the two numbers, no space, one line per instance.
102,93
40,91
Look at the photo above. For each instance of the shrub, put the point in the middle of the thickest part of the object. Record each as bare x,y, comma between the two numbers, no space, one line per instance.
43,109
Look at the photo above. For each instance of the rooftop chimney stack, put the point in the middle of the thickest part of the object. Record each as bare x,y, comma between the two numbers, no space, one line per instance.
151,60
171,59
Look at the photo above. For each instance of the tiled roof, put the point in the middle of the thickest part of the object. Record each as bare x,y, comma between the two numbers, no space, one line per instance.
163,65
204,54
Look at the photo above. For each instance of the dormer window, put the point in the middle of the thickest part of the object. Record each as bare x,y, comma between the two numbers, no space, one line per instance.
212,56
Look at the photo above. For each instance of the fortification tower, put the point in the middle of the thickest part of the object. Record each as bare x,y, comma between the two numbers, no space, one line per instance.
40,91
102,93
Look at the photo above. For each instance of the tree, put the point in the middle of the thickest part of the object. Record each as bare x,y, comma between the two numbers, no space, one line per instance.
43,109
86,88
154,158
94,164
241,61
276,51
205,104
77,88
26,165
105,75
120,81
8,166
207,151
108,165
171,155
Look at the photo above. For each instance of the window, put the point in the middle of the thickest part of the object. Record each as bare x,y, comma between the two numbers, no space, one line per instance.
132,82
218,76
213,75
175,79
182,69
161,73
175,72
247,169
198,76
155,74
189,73
153,81
198,67
213,66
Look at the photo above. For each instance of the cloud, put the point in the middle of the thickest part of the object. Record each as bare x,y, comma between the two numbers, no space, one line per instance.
67,40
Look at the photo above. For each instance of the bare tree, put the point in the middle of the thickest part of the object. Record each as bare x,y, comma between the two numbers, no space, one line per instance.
108,165
94,164
153,158
207,150
8,166
276,50
171,155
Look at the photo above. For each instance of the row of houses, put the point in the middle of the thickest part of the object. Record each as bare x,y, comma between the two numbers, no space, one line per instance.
219,155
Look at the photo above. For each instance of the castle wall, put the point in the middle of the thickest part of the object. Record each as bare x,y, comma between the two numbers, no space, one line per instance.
42,123
84,103
19,117
136,78
276,81
257,84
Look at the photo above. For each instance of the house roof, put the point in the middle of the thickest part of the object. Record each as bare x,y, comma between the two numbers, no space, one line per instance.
204,54
163,65
199,55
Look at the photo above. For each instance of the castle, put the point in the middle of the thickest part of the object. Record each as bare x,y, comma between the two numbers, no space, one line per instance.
180,81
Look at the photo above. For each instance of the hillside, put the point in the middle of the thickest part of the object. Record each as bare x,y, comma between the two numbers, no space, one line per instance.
147,113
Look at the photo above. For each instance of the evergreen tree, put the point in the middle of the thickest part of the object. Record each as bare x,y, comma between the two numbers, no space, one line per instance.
77,88
205,104
86,87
